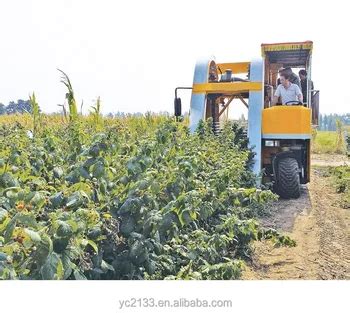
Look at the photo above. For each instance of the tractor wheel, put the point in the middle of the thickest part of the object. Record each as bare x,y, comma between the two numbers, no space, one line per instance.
288,179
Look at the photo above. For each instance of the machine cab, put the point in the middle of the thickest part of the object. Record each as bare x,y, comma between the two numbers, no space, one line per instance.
296,55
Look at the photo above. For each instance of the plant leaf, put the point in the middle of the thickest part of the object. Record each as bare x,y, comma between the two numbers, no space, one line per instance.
33,235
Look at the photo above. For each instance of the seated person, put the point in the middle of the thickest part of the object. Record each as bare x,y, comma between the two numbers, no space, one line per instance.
287,91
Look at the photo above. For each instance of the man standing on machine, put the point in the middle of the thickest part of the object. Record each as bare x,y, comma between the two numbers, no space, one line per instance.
289,93
306,84
293,78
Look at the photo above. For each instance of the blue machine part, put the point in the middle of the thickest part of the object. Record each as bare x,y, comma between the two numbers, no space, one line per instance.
256,103
286,136
198,107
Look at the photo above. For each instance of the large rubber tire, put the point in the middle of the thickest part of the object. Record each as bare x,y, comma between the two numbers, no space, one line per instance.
288,179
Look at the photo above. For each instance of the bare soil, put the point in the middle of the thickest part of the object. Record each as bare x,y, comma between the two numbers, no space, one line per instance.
318,224
329,160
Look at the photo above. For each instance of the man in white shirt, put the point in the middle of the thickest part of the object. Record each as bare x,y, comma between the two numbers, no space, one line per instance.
287,91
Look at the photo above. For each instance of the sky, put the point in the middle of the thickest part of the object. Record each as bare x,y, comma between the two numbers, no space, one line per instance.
134,53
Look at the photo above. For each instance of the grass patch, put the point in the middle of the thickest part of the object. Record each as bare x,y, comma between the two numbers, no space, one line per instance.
326,142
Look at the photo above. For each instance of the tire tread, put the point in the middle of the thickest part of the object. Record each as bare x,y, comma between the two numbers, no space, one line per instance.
288,180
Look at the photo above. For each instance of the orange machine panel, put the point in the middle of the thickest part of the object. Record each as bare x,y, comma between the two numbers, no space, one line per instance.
284,119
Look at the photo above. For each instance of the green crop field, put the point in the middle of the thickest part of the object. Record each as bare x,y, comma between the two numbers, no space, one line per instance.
128,198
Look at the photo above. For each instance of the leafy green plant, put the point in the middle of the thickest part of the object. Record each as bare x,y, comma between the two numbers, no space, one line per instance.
140,198
341,176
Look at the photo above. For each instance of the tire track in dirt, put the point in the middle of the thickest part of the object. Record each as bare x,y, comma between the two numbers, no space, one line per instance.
334,234
321,229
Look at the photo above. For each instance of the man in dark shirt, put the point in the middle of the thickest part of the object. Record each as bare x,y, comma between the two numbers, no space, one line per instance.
304,84
293,78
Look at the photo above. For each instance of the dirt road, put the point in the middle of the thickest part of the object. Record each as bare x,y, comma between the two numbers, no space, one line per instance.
329,160
319,225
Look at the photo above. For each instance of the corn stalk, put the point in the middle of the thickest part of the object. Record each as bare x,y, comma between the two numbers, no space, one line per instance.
64,112
35,114
340,143
96,114
72,105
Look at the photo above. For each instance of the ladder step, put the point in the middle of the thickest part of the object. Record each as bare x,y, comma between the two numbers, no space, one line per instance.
217,128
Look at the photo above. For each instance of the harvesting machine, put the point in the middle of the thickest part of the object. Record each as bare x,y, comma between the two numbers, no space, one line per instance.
279,135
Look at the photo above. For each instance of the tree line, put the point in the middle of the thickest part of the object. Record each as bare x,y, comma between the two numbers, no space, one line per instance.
20,106
329,121
24,106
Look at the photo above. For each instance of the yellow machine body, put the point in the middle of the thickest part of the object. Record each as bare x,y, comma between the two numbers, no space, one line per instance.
286,122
